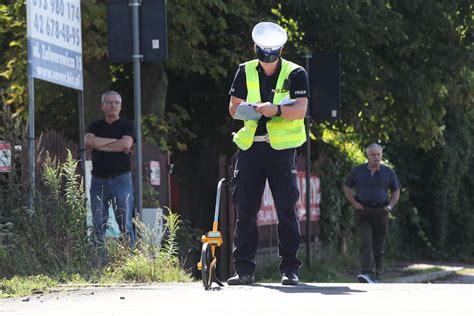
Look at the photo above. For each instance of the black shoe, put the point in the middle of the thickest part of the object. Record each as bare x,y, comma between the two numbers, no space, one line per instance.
364,278
240,280
289,278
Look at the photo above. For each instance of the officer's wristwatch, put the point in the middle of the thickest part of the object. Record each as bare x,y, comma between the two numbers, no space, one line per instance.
389,207
279,110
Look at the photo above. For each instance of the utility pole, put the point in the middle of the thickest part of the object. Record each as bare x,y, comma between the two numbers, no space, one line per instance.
137,57
307,120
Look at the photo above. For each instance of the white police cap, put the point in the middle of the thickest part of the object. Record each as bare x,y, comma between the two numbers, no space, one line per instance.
269,36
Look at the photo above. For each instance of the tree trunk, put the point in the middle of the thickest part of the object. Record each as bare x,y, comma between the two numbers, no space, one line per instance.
154,88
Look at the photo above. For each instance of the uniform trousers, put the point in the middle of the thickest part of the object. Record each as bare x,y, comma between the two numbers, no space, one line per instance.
253,167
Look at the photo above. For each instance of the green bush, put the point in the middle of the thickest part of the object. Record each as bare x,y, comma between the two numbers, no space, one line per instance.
333,164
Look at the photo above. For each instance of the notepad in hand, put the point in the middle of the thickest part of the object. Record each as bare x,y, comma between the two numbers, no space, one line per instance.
246,111
286,101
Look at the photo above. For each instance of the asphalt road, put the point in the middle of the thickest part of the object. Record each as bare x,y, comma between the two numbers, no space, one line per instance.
259,299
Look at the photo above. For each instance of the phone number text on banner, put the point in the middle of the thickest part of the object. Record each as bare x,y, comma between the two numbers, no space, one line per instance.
55,42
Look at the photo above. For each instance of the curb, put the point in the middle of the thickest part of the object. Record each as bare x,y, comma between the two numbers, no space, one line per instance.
427,277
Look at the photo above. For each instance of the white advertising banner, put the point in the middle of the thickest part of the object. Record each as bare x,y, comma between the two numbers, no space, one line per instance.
55,41
267,214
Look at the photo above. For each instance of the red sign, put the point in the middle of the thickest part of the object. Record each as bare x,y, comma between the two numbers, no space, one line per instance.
5,157
267,214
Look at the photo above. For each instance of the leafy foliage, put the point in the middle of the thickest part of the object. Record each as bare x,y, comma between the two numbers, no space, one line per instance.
332,166
13,58
171,132
170,248
396,61
52,237
406,85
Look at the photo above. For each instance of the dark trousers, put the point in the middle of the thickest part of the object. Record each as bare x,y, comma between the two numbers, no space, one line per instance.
372,226
254,166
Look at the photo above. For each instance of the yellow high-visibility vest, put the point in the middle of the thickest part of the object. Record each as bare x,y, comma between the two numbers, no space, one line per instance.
282,133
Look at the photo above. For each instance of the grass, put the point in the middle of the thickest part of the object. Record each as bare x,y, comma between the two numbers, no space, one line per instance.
413,271
25,285
467,271
148,263
134,268
139,268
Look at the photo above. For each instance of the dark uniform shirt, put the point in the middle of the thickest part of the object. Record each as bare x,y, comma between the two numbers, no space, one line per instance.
372,189
106,164
297,85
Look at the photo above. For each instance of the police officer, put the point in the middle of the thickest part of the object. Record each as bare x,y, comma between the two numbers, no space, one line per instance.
267,150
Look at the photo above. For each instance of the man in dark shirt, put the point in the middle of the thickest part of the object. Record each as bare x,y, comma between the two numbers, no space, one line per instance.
372,182
111,139
267,150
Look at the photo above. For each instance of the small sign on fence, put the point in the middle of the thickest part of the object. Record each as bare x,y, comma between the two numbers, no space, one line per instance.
5,157
155,176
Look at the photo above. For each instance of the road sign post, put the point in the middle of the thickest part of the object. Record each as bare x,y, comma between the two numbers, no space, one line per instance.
54,55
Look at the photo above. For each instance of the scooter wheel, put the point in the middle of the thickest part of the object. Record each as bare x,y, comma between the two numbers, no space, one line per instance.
207,271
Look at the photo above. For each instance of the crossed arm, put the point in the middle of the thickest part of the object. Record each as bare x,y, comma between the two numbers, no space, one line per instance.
109,144
268,109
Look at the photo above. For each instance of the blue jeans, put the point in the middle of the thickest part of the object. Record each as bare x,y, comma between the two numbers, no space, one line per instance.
118,192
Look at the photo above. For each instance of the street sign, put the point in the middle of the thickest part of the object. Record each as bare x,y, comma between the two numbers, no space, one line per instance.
153,31
55,41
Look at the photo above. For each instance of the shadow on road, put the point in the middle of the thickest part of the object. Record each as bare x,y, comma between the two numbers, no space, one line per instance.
307,288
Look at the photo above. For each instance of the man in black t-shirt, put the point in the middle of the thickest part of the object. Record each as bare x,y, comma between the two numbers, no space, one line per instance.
111,139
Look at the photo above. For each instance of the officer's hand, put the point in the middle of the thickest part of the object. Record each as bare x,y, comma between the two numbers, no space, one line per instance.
266,109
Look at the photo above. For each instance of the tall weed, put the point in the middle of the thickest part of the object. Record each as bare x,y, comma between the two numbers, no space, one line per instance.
149,262
51,238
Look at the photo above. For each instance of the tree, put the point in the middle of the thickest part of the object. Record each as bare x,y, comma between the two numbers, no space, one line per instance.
407,82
